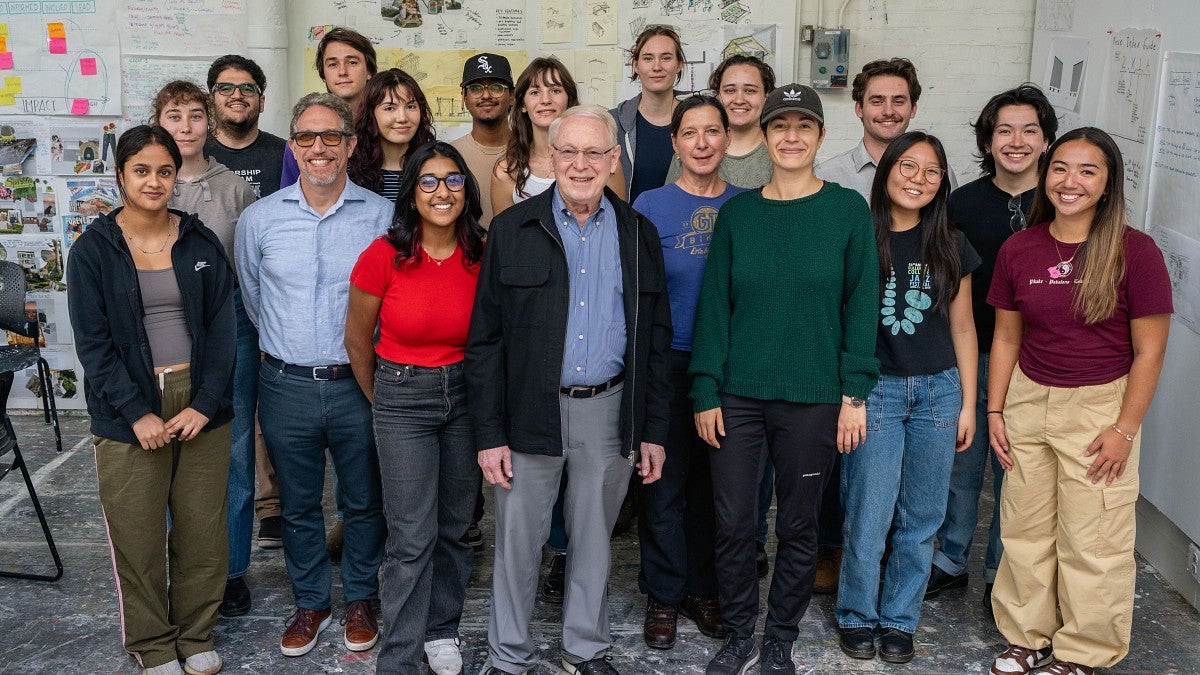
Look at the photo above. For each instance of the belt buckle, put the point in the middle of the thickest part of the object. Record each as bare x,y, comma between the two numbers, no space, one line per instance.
318,378
579,391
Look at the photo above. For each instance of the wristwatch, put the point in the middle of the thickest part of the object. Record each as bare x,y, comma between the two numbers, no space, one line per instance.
854,401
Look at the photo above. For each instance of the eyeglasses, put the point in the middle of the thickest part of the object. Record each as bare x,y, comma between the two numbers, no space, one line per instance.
248,89
568,155
1016,223
455,182
495,88
331,138
909,169
701,93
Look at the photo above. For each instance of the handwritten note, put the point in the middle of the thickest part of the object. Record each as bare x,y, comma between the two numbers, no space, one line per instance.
87,66
58,45
12,84
80,106
6,61
56,30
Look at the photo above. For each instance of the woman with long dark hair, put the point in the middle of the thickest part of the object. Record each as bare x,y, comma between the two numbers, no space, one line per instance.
393,119
1083,305
922,408
151,302
417,284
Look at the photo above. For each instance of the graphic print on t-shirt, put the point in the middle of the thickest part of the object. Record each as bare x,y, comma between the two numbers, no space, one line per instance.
915,299
703,220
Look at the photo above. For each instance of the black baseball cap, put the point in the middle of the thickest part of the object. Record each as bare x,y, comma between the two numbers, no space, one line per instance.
486,67
793,97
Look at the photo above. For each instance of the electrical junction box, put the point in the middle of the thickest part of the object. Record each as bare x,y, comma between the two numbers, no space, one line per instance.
830,61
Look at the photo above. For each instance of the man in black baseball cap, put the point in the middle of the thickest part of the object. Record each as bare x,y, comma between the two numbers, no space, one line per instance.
487,87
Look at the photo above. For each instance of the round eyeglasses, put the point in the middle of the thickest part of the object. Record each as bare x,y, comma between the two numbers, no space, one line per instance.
455,182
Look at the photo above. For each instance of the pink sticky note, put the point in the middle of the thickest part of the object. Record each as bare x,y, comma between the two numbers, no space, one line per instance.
6,61
58,45
79,106
87,66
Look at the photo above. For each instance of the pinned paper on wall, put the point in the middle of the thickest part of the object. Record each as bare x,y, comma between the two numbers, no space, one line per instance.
56,30
7,99
58,45
80,106
6,61
87,66
3,30
12,84
3,44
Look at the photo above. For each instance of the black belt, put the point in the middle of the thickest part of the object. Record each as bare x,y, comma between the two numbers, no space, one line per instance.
578,391
336,371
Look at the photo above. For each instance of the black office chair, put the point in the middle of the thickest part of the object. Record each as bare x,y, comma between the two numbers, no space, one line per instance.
14,358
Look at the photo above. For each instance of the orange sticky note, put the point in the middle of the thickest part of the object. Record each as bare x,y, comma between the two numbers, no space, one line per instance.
56,30
58,45
3,44
87,66
6,61
80,106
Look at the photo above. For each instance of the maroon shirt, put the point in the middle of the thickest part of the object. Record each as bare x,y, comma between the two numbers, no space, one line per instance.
1059,349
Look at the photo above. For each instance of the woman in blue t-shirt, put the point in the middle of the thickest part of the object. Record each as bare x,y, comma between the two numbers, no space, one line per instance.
922,409
676,524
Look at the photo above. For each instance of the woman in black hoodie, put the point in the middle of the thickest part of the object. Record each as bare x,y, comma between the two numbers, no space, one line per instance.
150,296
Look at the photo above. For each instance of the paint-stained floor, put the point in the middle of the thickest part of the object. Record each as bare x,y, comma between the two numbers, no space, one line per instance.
72,626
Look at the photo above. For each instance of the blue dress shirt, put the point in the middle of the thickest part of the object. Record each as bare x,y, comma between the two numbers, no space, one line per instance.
294,267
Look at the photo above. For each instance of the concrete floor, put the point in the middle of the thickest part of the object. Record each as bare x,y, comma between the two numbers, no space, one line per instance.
72,625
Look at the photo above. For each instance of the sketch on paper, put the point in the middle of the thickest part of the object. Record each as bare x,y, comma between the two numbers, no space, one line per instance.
1066,66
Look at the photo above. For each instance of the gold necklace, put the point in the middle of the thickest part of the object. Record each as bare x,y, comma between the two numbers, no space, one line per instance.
1064,267
135,242
438,261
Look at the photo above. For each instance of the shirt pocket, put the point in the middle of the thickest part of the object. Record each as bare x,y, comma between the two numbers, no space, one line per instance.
525,294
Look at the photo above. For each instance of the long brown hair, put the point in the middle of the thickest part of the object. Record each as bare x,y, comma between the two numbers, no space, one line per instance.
1103,264
365,167
520,144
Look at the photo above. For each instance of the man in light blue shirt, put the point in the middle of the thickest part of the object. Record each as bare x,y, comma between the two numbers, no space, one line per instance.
295,250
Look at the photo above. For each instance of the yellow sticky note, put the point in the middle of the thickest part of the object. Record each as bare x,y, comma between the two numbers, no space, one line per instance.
3,30
56,30
12,81
7,99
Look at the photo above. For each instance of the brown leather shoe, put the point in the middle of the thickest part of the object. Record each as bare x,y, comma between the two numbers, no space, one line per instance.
301,634
659,628
829,565
362,631
705,613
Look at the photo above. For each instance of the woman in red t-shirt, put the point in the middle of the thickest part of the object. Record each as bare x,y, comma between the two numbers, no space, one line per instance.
417,283
1083,305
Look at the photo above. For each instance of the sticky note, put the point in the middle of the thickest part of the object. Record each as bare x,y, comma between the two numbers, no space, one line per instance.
12,81
7,99
58,45
3,44
6,61
87,66
3,30
56,30
79,106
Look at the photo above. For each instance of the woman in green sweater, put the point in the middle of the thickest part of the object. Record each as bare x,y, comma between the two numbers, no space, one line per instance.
783,358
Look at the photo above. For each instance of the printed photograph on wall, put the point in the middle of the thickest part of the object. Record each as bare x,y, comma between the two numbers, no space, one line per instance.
407,13
42,258
83,149
87,199
21,210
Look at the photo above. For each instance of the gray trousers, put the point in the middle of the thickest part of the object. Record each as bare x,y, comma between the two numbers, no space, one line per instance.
599,480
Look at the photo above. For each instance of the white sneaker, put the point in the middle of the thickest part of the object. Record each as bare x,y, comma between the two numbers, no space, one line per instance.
444,657
168,668
204,663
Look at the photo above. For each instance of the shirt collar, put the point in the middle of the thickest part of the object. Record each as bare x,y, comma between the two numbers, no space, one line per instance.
860,156
560,206
350,193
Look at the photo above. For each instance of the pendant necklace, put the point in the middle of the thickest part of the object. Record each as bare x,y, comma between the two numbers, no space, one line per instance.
1064,267
436,261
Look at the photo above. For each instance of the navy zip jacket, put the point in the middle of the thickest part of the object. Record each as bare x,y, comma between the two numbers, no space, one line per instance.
518,329
105,303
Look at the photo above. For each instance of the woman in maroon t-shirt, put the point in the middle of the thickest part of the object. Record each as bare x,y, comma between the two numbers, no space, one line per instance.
1083,305
417,283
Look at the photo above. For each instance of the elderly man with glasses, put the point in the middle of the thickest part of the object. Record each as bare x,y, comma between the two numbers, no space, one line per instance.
567,370
294,252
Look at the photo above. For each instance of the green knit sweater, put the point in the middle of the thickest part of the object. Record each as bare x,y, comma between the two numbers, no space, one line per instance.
789,302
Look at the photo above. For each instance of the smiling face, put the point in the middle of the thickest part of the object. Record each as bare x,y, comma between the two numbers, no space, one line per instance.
320,164
398,116
743,95
488,106
909,194
580,181
657,66
1017,141
700,141
147,179
345,70
1076,179
442,207
187,122
544,101
793,139
237,109
886,108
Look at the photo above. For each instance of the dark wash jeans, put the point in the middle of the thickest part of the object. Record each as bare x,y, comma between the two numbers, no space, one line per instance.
800,440
430,478
675,526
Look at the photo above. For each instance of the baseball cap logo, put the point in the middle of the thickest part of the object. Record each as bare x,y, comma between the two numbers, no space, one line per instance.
483,64
792,95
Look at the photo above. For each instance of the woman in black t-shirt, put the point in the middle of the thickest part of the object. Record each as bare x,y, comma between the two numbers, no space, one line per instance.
921,410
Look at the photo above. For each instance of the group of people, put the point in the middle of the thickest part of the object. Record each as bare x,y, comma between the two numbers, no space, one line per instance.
569,302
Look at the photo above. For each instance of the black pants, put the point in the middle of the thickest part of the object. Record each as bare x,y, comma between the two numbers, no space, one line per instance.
829,525
676,521
801,441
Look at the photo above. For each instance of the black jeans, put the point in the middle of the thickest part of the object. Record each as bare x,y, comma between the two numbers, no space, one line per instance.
801,441
675,526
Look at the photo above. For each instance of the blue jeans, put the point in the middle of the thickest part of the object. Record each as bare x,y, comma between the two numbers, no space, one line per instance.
897,479
240,513
300,418
430,477
962,507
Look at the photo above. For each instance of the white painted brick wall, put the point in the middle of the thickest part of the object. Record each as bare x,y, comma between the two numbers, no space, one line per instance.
965,51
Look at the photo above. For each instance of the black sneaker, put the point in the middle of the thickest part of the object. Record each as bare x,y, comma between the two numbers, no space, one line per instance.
270,532
940,580
597,666
551,590
474,537
236,600
738,655
776,657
